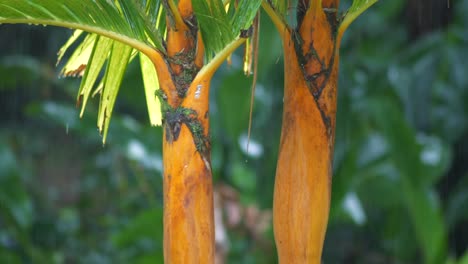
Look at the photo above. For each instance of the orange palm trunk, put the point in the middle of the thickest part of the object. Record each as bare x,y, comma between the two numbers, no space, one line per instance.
188,188
303,177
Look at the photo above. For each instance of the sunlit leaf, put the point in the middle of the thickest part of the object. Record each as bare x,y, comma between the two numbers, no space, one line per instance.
99,55
150,80
116,67
76,34
118,23
77,62
96,16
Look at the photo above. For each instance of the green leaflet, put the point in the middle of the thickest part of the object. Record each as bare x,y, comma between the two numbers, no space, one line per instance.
150,80
212,17
76,64
97,16
99,55
113,25
70,41
281,6
118,61
244,15
119,26
357,8
219,27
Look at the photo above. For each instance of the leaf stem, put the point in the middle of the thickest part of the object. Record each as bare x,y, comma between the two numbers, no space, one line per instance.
137,44
315,5
352,14
209,69
178,20
277,20
152,53
256,41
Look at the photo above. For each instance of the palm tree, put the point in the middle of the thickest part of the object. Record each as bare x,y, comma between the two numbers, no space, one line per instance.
179,46
303,175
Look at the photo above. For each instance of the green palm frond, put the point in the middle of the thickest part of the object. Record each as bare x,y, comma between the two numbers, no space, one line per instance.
121,20
356,9
117,28
110,33
118,61
219,26
77,62
151,83
95,63
280,6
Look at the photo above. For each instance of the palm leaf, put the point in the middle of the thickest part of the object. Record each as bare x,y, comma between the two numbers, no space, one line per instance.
112,24
118,61
219,27
77,62
356,9
97,16
96,61
119,27
69,42
151,83
244,15
280,6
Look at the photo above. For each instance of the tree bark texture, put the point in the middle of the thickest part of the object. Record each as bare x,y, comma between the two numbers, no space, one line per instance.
187,180
303,177
188,188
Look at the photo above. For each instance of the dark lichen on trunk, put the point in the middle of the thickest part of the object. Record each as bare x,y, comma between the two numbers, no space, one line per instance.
174,118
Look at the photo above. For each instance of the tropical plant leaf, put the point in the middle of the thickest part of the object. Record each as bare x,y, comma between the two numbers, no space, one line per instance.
213,17
114,24
244,15
122,22
154,12
77,62
111,24
96,61
118,61
281,6
76,34
150,80
356,9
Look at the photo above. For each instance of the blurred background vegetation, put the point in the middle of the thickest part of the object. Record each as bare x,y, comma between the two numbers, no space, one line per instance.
400,184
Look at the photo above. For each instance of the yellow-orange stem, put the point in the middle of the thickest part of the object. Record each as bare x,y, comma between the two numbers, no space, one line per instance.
188,188
330,3
303,176
185,8
200,52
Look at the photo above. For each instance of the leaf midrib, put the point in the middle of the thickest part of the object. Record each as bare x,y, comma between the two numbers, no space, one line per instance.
139,45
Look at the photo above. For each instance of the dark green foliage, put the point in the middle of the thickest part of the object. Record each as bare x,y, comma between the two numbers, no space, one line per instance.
213,17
